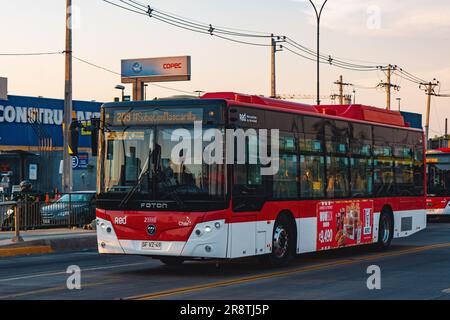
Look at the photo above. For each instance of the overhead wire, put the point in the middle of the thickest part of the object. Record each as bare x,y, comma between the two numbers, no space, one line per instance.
32,53
229,34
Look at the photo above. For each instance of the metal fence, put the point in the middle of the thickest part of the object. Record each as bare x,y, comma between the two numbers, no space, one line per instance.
40,215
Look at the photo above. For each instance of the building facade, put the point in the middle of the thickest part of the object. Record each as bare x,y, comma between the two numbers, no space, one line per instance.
31,144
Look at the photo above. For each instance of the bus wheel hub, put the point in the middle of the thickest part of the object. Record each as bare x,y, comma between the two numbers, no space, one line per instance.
280,241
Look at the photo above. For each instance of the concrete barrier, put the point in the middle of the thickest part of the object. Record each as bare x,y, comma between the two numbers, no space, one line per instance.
51,245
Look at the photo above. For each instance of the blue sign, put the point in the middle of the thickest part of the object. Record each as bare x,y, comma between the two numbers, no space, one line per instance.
24,119
81,161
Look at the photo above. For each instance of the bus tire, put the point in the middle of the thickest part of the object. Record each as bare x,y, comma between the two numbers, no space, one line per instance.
283,243
172,261
385,230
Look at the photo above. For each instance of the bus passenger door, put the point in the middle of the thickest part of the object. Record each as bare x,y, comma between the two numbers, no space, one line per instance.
248,201
248,190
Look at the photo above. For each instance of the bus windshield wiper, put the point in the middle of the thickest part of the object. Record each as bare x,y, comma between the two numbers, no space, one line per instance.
145,171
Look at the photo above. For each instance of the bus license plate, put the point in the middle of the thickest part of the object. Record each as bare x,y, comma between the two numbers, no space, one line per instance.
151,245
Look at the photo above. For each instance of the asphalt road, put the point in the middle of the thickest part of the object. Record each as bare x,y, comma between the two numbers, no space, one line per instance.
414,268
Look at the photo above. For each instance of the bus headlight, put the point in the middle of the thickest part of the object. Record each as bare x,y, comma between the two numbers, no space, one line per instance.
208,228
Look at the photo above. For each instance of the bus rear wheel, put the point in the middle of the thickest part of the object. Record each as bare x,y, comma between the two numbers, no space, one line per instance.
172,261
385,230
283,243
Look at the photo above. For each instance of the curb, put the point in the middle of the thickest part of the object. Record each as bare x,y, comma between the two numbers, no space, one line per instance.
12,252
47,246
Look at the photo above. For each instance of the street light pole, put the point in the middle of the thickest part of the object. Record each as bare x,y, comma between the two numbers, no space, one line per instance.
122,88
145,91
399,103
318,16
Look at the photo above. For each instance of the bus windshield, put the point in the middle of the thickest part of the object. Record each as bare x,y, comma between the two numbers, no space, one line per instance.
144,159
438,175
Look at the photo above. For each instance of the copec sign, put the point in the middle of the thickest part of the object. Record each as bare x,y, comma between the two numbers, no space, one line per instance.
156,69
19,116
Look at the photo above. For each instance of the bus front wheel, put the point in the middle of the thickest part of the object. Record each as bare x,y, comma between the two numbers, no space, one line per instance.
283,243
385,230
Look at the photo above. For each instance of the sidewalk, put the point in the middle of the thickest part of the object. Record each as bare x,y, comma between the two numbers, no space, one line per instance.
47,241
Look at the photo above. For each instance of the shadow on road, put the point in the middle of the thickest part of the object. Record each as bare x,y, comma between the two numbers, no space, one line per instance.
251,266
438,219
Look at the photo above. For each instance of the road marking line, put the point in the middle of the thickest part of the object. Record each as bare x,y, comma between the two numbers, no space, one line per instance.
47,290
11,252
64,272
243,280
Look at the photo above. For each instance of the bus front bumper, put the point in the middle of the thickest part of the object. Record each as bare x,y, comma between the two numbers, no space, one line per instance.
208,240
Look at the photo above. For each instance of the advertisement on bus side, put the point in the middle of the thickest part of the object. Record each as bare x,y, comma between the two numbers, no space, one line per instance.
344,223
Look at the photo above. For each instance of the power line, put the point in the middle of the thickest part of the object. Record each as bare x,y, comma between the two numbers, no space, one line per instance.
328,58
199,22
135,7
97,66
151,11
330,62
230,34
31,54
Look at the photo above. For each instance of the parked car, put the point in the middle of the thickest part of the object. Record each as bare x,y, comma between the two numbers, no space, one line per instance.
75,209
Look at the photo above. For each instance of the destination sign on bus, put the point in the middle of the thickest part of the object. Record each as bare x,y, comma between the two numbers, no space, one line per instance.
153,116
438,159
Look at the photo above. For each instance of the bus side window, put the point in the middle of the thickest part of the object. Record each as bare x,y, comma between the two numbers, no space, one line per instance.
285,182
419,166
312,177
361,177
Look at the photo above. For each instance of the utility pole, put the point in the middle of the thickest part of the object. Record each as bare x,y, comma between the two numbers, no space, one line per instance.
388,84
399,104
341,85
67,159
446,128
273,75
388,103
429,91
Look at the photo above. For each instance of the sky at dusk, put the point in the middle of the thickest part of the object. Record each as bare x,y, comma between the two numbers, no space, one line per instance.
414,34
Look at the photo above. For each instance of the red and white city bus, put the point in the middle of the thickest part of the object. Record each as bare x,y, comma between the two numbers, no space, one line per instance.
347,176
438,168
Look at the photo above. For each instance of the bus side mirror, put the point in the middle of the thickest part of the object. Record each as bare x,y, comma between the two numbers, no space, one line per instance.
74,134
95,123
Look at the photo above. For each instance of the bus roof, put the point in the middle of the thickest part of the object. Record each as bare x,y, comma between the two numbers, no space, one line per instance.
354,112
